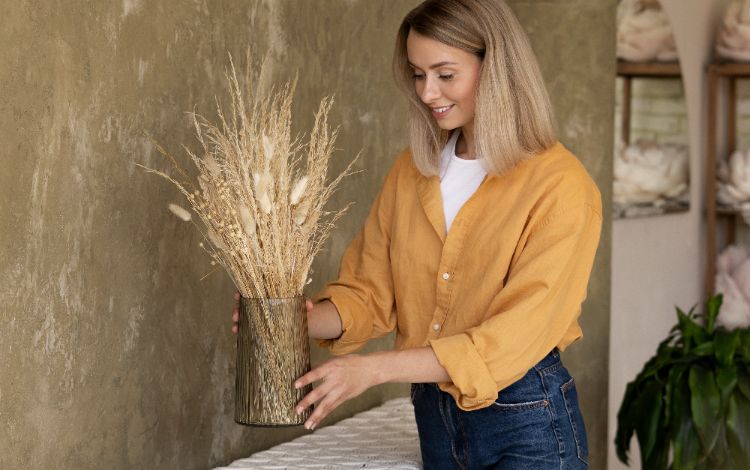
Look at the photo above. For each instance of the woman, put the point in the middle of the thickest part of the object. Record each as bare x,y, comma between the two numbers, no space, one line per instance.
477,250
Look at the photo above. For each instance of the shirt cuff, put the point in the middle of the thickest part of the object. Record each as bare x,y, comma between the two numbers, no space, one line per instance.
355,334
473,387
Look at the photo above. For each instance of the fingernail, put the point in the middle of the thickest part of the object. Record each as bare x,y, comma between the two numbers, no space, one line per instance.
312,426
298,410
296,384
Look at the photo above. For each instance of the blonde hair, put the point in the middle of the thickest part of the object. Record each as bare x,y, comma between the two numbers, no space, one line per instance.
513,118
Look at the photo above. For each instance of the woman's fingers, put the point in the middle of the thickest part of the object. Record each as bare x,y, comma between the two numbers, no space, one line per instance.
315,374
326,395
309,305
236,312
313,397
327,404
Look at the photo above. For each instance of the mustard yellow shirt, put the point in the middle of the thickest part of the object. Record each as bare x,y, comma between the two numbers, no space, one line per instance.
494,295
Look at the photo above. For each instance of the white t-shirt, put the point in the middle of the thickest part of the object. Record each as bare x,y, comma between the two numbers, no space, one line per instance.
459,179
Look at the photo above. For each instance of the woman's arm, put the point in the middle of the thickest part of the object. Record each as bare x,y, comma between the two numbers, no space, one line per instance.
323,320
348,376
416,365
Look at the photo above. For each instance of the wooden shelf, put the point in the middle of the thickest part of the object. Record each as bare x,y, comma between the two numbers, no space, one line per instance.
730,69
649,69
727,211
722,78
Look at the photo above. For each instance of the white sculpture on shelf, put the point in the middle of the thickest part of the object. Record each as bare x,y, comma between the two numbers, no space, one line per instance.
649,172
734,182
733,281
644,33
733,40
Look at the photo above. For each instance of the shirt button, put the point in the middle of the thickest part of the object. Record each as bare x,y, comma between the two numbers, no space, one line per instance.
446,276
436,327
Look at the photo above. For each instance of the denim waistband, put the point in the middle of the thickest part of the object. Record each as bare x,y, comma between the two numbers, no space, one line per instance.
550,363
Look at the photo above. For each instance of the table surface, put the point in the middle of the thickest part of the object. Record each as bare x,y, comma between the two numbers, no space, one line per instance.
384,437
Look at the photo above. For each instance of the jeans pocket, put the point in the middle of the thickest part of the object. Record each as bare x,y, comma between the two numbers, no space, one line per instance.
570,397
526,393
523,406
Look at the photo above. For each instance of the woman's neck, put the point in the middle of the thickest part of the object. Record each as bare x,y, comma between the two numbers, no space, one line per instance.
465,144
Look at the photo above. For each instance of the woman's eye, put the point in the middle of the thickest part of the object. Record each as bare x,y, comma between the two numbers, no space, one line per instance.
417,76
446,77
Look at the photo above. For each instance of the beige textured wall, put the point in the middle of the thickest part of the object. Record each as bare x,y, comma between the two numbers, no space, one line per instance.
112,353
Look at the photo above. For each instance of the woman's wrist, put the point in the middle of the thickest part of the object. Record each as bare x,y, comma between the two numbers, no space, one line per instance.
378,364
407,366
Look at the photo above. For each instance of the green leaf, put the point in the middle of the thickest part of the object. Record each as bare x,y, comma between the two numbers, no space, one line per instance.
744,349
726,380
705,406
651,367
659,456
692,333
712,311
726,343
719,457
704,349
743,381
682,432
647,418
625,423
738,430
665,348
674,379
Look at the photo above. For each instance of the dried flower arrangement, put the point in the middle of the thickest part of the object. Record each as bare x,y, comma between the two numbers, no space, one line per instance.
260,198
262,213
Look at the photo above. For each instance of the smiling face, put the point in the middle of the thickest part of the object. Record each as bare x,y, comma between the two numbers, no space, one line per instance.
445,79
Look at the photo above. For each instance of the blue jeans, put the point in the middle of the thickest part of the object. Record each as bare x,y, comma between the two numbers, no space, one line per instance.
535,424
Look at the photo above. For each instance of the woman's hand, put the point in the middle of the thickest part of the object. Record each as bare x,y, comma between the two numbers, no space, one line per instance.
342,378
236,311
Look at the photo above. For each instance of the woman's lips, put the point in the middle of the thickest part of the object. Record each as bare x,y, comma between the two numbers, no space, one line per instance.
443,111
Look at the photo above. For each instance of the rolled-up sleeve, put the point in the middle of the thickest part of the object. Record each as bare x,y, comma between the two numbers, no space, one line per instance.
363,293
546,285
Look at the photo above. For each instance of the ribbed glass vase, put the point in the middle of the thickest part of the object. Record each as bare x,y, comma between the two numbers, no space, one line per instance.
273,350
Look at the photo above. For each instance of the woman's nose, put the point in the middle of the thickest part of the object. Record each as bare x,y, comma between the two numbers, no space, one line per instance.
430,91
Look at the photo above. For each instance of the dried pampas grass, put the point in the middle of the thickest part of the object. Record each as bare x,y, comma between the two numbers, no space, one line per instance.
260,194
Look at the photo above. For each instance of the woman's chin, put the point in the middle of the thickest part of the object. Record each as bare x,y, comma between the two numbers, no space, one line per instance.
447,126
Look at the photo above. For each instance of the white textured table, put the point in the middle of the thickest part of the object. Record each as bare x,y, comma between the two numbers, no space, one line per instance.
384,437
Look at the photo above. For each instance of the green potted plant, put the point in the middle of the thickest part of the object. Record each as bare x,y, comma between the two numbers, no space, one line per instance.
692,397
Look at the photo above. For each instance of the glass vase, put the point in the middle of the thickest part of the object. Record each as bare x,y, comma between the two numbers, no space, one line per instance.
273,350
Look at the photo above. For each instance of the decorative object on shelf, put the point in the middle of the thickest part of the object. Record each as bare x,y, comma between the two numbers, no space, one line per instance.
692,397
733,181
650,177
644,33
733,281
723,220
733,40
259,196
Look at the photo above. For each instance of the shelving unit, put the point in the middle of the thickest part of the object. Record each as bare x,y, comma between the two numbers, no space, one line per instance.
722,77
629,71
